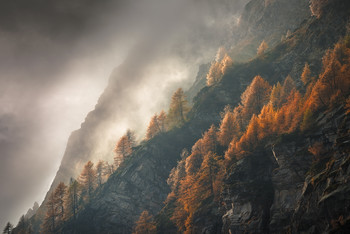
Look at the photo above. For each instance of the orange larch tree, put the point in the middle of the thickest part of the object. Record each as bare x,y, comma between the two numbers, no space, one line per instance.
255,97
230,126
162,121
145,224
87,179
178,109
49,225
333,84
153,128
218,68
306,75
60,193
249,140
124,147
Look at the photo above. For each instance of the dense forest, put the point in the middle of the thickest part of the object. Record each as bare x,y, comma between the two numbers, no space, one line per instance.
262,148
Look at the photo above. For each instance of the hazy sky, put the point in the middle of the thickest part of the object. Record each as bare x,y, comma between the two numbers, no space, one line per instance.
55,60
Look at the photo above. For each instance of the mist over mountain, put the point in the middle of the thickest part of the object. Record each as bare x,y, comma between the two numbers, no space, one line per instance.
260,145
56,58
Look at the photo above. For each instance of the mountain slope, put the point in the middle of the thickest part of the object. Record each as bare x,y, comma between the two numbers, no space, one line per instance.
112,209
140,184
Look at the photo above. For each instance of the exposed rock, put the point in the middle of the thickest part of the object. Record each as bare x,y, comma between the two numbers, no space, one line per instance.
138,185
262,195
32,211
248,195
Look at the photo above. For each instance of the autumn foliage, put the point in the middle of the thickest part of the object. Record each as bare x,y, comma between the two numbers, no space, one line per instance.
145,224
124,147
87,179
306,75
219,67
156,125
256,95
55,210
195,179
333,84
178,109
264,114
230,127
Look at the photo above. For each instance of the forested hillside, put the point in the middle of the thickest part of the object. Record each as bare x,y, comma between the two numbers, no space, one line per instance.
263,147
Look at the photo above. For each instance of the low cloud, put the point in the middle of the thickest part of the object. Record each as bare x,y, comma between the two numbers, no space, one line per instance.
55,60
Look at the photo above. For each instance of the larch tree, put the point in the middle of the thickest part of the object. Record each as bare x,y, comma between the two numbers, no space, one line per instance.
333,84
230,127
262,48
209,169
210,140
231,152
123,148
100,171
178,108
255,97
193,190
49,224
59,196
71,200
250,139
194,160
145,224
87,179
203,146
8,228
276,94
288,117
218,69
306,75
153,128
214,73
162,121
266,121
131,137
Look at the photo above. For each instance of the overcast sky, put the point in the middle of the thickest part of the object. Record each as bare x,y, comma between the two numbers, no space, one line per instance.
55,61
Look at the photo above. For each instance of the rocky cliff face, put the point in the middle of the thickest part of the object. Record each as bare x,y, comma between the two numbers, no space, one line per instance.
307,44
323,205
138,185
269,20
283,188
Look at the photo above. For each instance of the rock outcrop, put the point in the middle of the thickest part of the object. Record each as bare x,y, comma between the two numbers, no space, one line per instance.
284,188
